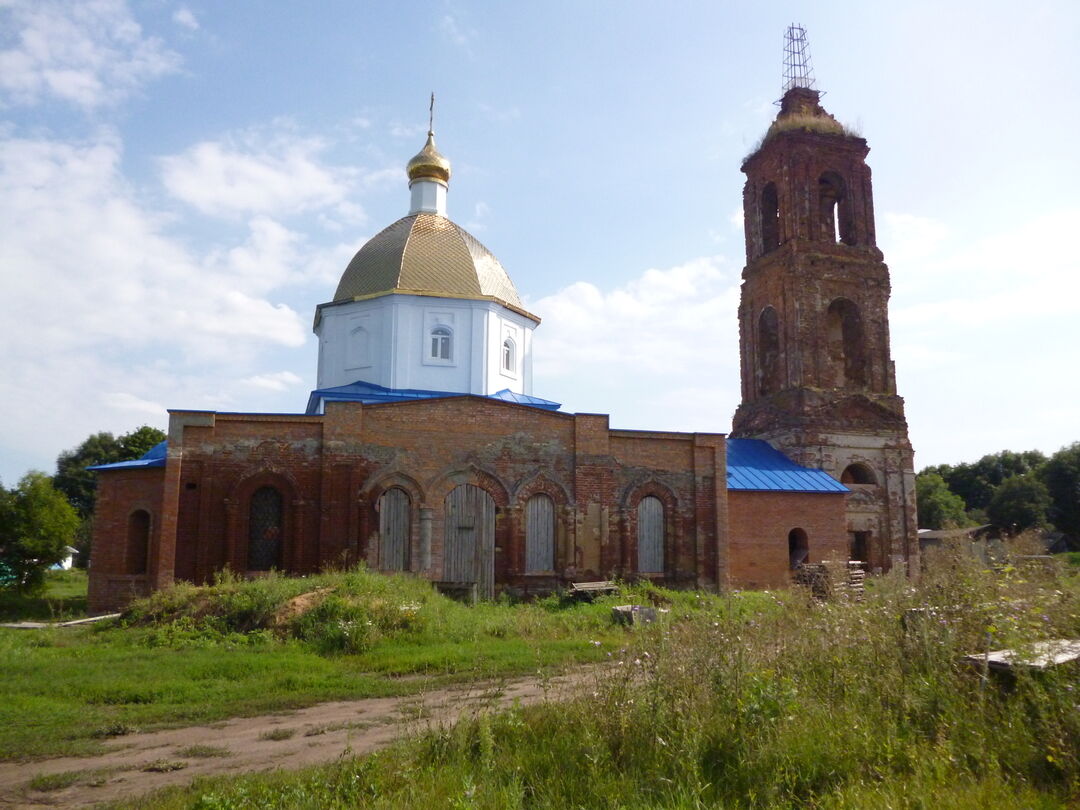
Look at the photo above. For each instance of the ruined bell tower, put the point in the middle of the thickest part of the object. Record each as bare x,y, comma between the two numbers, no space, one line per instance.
818,381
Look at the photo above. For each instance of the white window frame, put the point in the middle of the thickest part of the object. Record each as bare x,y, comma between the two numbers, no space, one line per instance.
508,357
432,352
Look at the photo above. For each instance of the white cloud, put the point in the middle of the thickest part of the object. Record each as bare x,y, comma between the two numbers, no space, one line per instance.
123,401
109,301
500,115
88,53
250,174
184,16
278,381
978,326
457,34
480,214
660,351
399,130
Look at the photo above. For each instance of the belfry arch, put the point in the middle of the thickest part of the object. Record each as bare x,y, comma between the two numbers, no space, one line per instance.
846,343
768,352
770,218
835,219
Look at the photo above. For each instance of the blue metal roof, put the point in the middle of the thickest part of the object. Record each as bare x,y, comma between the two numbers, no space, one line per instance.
755,465
370,393
154,457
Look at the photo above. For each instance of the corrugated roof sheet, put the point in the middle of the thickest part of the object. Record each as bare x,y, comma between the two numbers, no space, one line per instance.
755,465
154,457
371,393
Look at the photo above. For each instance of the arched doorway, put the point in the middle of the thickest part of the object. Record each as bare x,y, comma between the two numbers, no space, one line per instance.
469,543
394,530
650,532
539,534
798,548
265,524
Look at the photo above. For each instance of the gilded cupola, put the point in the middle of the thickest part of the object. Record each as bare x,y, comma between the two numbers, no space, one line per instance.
428,164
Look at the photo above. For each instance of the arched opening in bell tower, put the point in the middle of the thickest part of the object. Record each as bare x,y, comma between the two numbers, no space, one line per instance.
768,353
834,210
846,343
770,218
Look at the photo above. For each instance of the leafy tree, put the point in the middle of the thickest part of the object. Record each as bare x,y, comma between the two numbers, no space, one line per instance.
1020,502
1062,478
135,444
976,482
939,507
74,480
36,523
79,484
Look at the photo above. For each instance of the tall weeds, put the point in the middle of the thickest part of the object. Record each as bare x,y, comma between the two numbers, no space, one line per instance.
767,701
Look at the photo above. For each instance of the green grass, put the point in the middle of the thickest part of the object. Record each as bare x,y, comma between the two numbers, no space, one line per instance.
278,734
782,702
198,655
64,597
203,752
55,781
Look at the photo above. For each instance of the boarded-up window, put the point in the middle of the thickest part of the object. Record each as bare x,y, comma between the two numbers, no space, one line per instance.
539,534
394,530
469,546
650,533
138,541
264,530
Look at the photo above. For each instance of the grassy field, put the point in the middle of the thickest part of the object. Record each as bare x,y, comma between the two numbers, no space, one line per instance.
784,702
64,597
195,655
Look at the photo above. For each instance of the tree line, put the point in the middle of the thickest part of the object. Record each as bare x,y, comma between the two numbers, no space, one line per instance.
1011,491
42,515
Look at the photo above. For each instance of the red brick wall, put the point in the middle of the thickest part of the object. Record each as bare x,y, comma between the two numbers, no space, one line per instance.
332,469
758,526
119,494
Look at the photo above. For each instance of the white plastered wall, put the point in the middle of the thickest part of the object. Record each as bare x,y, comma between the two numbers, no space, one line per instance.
387,341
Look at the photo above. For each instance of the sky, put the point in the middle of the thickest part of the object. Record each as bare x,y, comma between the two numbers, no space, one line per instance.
181,183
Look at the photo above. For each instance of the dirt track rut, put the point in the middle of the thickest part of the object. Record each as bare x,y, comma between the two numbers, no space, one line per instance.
287,740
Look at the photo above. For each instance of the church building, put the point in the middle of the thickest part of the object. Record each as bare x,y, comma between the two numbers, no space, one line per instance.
423,448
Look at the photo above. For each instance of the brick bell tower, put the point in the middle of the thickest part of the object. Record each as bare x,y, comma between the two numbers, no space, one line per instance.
818,381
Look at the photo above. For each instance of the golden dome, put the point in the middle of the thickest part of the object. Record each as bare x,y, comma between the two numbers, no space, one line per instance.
428,163
427,254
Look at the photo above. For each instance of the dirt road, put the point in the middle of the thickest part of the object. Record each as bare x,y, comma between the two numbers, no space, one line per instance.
140,763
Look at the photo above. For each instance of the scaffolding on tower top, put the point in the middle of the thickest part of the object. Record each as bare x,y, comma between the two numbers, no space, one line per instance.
798,70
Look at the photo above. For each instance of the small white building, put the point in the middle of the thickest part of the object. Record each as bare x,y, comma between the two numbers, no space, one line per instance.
424,306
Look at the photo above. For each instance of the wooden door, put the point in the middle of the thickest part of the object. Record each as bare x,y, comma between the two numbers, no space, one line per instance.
394,530
469,546
650,530
539,534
